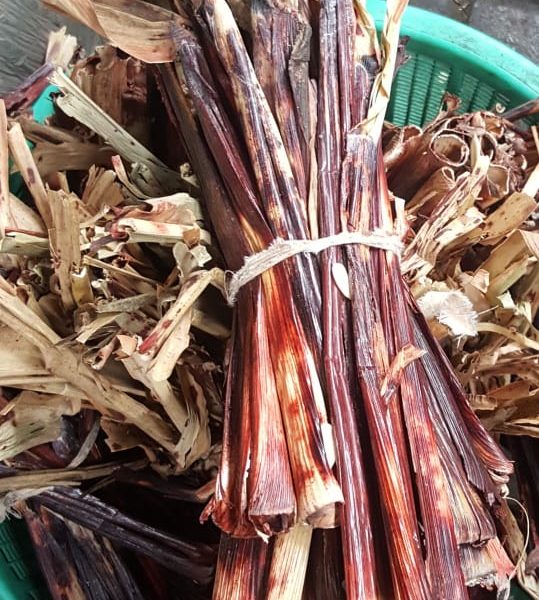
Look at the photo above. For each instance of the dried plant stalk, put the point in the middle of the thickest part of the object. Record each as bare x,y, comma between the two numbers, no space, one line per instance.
240,569
358,550
194,560
289,559
64,239
60,574
29,171
319,489
66,477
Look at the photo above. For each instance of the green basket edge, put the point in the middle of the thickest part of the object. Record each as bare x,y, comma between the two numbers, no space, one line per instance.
20,577
449,39
43,107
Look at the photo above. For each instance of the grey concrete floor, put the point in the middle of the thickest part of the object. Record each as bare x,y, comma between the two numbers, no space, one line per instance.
24,25
24,29
514,22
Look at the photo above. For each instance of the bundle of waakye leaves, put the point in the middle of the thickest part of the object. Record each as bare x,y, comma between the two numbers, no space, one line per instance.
316,438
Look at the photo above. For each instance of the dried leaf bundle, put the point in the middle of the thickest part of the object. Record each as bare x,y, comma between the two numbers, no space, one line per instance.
347,446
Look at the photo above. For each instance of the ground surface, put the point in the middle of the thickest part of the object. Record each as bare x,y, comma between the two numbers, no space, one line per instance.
24,26
514,22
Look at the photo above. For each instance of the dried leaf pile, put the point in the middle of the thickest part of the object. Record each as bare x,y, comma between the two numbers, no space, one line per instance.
331,439
472,259
103,288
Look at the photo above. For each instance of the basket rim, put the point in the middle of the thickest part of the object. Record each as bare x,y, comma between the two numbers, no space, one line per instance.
467,44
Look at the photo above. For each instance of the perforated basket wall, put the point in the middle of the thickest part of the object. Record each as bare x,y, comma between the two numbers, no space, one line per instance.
448,56
19,575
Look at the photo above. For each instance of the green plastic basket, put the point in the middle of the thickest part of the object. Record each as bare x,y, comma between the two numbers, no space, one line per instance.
20,578
444,56
448,56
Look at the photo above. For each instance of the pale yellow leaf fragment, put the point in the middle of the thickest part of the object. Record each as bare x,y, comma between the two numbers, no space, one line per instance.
289,563
509,261
101,190
25,163
520,339
508,217
64,242
60,48
161,354
32,419
390,382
